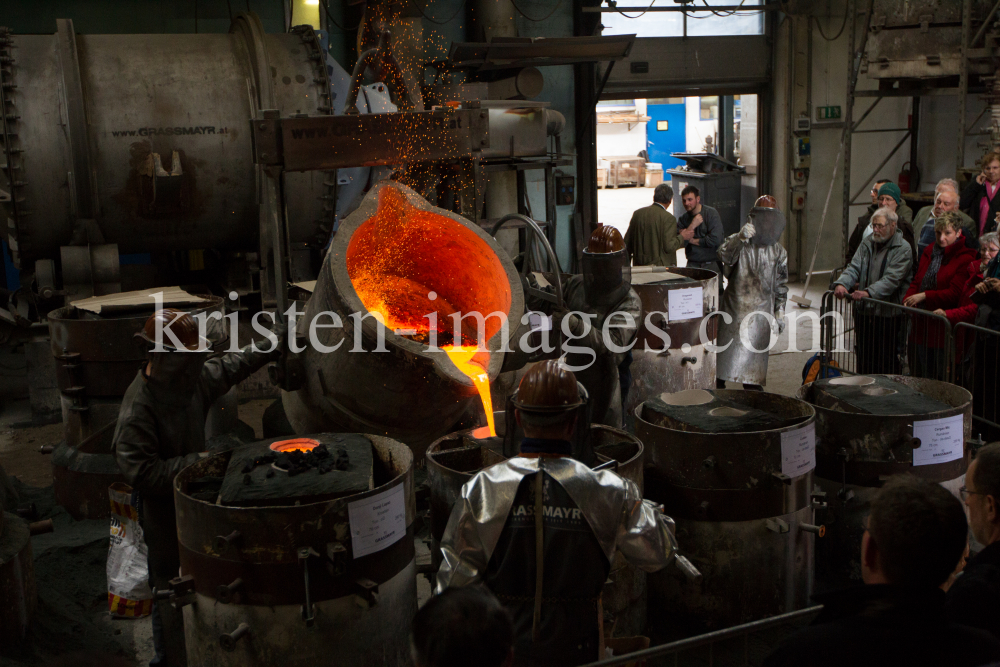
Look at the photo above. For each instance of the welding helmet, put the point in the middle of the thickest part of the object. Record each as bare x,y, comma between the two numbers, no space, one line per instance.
550,393
607,271
767,220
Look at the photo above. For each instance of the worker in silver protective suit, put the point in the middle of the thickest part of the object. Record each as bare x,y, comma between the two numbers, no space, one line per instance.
757,268
603,296
161,431
579,516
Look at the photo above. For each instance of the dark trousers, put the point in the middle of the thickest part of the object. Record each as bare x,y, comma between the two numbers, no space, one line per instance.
876,343
159,527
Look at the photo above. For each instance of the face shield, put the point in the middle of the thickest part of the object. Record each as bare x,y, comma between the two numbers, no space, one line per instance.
607,277
769,223
177,368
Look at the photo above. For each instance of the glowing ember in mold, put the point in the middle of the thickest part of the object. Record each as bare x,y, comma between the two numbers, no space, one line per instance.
295,445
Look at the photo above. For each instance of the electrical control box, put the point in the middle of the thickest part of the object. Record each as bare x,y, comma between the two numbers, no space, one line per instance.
801,152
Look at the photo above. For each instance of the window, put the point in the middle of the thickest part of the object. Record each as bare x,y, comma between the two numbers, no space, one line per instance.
700,23
628,104
662,125
710,108
665,100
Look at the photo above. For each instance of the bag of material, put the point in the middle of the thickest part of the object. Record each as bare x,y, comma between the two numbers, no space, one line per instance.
129,595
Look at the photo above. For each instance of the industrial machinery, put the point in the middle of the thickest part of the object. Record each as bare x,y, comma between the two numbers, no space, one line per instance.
281,559
734,470
869,428
453,459
679,304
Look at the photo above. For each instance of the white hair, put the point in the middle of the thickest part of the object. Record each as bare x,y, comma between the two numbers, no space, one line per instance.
886,214
949,183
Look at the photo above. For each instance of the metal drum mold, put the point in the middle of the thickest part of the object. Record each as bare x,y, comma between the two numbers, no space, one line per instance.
744,516
856,452
685,362
300,584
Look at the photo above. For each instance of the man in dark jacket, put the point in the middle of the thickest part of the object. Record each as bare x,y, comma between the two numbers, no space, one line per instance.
701,229
884,194
652,238
974,598
916,536
161,431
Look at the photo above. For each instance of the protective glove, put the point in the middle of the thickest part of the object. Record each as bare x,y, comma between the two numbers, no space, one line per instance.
747,232
780,317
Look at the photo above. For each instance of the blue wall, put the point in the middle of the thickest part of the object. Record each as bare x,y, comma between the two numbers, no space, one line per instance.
673,140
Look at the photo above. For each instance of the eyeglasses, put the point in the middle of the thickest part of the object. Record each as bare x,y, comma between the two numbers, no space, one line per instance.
965,493
875,225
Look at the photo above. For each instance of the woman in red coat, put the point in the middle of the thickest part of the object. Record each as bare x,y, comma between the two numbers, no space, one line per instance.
939,284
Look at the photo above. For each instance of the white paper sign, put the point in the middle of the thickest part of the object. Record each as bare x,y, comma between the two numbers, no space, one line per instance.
798,451
377,521
539,321
685,304
941,440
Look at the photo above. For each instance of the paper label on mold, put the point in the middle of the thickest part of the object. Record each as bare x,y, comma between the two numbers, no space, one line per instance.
941,440
685,304
798,451
377,521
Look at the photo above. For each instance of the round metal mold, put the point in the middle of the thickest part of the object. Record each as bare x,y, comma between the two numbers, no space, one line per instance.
857,452
684,363
282,551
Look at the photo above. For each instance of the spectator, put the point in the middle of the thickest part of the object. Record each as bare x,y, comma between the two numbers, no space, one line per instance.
891,198
915,537
987,348
938,283
974,598
881,269
652,238
463,626
979,197
945,199
701,229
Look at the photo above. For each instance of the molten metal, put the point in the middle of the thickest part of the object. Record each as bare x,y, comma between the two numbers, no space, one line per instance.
462,358
295,445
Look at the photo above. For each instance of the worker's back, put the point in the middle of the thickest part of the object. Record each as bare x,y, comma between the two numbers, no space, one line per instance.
574,573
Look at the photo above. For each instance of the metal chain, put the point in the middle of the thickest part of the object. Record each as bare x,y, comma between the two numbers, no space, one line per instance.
316,54
11,152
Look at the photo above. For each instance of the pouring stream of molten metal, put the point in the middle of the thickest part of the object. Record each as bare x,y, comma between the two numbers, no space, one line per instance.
461,356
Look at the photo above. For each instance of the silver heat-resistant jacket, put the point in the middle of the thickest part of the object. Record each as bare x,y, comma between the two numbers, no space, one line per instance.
612,506
758,281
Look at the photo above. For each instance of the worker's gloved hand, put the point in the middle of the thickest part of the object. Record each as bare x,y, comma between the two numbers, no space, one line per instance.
779,316
747,232
573,322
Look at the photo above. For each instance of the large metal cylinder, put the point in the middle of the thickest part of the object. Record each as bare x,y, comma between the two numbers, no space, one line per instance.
741,519
684,363
303,595
856,453
455,458
17,578
411,391
149,135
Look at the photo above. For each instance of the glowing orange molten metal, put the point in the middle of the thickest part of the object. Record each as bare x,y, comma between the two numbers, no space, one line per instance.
461,356
294,445
417,268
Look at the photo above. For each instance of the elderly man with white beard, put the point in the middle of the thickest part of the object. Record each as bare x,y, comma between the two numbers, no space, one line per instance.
881,269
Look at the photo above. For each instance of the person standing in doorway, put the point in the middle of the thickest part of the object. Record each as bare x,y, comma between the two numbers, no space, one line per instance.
652,238
701,229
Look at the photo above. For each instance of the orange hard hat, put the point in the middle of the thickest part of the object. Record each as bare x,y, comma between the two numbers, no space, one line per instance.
548,387
605,239
766,201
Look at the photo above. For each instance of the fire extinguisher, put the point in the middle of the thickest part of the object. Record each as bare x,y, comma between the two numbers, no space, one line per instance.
904,177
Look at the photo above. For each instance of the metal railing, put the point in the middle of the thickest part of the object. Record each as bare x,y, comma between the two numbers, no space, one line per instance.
977,369
735,646
872,336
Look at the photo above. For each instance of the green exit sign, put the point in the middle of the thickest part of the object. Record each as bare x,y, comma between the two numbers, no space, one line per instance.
827,113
